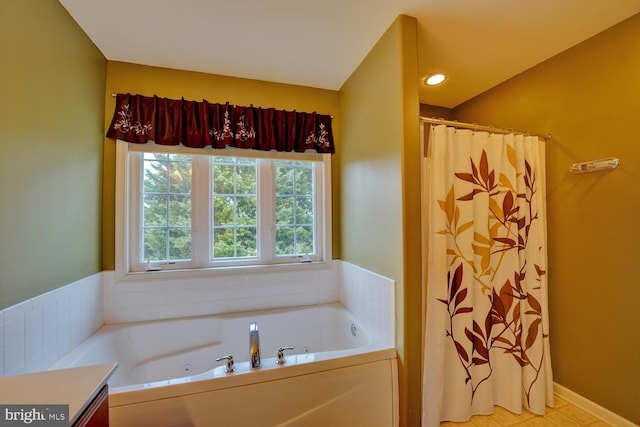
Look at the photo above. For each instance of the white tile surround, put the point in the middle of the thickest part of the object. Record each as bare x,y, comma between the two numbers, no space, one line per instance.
149,296
369,296
35,333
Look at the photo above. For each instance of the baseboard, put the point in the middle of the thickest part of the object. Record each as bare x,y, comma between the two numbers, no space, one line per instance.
592,408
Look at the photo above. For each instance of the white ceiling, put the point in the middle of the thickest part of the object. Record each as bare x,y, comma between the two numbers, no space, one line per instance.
477,43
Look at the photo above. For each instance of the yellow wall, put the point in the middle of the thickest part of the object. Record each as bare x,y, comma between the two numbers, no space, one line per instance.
589,99
52,84
176,84
379,163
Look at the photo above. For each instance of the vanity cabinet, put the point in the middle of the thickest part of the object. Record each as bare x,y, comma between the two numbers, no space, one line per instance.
84,389
97,413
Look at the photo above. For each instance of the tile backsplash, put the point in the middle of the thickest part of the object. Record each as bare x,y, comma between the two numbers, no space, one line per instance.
369,296
149,296
35,333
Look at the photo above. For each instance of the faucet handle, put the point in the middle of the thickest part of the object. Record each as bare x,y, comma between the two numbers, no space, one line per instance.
281,350
229,359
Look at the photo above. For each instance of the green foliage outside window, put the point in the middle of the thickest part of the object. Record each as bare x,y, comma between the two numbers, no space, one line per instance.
234,207
166,215
294,208
166,207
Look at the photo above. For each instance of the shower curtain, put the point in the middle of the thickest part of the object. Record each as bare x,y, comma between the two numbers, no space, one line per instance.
486,337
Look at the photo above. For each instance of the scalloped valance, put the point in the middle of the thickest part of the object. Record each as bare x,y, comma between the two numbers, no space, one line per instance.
139,119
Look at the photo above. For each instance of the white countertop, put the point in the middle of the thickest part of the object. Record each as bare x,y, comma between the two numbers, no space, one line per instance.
74,386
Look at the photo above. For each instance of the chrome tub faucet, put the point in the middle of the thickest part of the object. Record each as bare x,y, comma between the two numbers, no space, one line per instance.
254,345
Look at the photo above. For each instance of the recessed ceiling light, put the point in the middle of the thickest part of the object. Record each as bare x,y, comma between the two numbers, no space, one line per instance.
434,79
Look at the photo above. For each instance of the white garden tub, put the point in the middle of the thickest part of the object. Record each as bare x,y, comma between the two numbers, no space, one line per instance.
340,373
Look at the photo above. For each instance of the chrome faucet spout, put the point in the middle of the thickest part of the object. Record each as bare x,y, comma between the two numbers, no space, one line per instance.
254,345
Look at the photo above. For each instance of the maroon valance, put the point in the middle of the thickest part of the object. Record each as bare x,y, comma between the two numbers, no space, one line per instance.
140,119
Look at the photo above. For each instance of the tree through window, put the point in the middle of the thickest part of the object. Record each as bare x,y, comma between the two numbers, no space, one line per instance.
199,210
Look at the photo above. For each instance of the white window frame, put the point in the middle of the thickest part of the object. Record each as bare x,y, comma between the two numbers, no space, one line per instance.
127,202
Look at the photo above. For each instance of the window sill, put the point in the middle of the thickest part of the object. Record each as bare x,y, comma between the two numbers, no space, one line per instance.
228,271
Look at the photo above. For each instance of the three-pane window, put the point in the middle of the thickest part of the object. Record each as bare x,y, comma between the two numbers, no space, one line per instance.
191,211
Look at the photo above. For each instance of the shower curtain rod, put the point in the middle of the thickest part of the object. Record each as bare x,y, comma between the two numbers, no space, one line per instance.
477,127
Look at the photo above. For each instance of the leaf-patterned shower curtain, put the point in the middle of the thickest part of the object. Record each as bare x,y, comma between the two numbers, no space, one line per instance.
486,341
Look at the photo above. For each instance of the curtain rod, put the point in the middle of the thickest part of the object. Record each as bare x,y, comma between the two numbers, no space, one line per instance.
477,127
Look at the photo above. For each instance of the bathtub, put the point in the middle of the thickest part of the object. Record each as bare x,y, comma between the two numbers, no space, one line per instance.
342,372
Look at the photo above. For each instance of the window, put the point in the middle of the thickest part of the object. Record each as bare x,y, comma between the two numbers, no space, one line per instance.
235,208
191,210
295,231
166,207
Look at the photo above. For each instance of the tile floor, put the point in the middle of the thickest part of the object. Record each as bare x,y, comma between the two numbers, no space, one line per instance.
563,414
